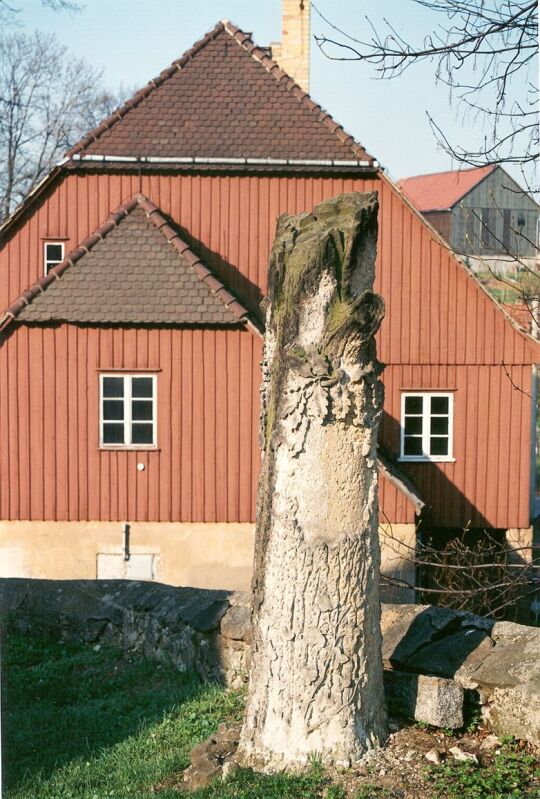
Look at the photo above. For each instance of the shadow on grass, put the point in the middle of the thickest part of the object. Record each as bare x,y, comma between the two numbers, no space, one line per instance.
69,702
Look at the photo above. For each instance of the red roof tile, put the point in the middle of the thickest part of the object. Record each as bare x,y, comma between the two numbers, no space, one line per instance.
442,190
135,269
225,98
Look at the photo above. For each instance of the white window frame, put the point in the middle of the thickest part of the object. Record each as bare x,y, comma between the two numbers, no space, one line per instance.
49,263
127,377
426,427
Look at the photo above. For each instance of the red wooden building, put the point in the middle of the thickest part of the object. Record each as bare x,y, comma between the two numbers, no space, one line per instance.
130,340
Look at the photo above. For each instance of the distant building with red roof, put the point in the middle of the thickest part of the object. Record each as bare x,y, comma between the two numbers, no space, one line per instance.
481,212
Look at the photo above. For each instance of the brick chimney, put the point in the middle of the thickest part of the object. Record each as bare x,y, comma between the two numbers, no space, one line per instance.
292,53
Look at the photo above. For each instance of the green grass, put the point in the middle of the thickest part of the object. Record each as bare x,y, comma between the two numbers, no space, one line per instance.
508,777
81,723
87,724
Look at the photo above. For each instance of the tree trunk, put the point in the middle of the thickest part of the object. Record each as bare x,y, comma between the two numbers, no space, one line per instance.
316,683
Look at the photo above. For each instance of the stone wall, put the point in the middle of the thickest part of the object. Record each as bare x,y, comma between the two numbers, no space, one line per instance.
433,656
190,628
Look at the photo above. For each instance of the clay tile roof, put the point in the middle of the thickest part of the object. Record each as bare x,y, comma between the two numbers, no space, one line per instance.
442,190
134,269
224,98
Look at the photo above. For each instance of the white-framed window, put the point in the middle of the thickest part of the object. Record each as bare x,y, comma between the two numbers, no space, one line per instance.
426,426
127,411
53,254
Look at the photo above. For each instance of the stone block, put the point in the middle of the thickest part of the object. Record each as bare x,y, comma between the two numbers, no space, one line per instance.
432,700
516,711
236,624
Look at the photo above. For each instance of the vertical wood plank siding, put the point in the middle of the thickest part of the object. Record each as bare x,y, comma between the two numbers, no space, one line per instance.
440,331
52,468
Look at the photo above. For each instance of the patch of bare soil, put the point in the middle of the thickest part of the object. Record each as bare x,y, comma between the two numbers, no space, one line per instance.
404,768
408,767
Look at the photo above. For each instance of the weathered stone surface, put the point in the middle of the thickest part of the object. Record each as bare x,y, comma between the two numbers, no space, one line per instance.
463,757
499,660
433,756
172,625
316,679
431,700
236,624
503,667
516,711
433,640
513,660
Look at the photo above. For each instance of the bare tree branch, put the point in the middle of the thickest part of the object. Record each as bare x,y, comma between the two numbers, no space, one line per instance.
10,12
485,51
48,100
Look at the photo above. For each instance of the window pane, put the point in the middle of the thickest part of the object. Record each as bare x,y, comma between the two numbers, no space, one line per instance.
53,252
142,434
439,425
141,386
439,405
141,410
413,424
438,446
113,433
412,445
113,409
113,386
413,404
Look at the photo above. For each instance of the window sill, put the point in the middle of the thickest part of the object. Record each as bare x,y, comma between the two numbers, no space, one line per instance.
137,448
434,459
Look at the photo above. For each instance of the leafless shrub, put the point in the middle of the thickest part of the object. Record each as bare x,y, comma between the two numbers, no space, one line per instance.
477,572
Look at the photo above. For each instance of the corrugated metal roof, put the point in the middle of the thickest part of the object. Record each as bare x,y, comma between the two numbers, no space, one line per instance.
440,191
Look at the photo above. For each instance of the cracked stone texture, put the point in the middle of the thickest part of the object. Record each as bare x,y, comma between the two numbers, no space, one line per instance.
180,626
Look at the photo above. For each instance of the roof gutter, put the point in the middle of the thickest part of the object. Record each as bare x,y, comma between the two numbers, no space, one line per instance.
158,159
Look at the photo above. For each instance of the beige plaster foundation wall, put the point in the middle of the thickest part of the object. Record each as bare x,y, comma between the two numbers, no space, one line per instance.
523,540
398,542
198,555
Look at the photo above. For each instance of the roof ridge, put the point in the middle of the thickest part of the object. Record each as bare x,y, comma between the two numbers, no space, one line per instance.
154,214
203,272
259,54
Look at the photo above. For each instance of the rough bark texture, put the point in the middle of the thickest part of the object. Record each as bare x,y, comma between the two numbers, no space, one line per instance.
316,684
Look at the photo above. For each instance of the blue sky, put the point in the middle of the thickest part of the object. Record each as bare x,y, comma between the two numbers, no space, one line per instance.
133,40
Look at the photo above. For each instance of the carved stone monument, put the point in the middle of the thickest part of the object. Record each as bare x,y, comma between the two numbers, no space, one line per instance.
316,684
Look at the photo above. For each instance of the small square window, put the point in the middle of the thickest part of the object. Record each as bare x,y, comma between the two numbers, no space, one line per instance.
53,253
128,411
426,426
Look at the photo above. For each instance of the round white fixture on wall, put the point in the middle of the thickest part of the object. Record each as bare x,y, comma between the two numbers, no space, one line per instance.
140,467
